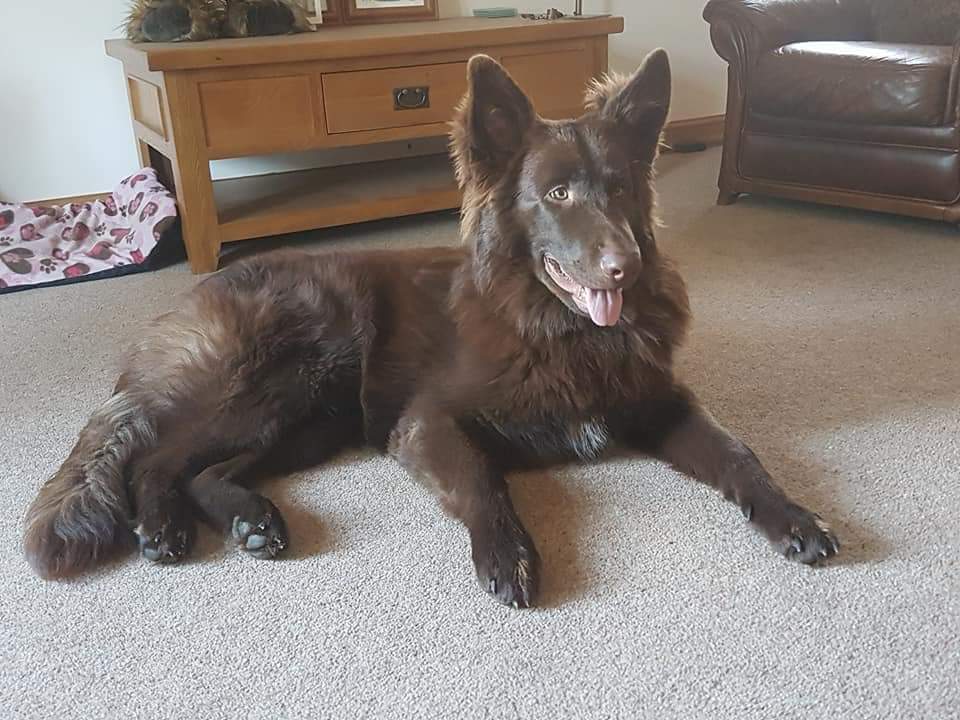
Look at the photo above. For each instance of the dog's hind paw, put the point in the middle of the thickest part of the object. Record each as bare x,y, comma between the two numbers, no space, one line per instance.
261,530
165,540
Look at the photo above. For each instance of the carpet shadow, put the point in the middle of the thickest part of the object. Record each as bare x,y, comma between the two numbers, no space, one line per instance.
553,514
816,354
860,544
309,535
807,483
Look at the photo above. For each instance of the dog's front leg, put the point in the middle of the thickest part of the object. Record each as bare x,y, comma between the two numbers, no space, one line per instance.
435,450
678,431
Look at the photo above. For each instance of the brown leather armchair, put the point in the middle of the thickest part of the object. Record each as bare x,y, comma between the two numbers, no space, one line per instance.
834,101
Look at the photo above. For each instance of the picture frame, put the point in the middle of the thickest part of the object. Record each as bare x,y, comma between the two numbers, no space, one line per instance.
382,11
322,12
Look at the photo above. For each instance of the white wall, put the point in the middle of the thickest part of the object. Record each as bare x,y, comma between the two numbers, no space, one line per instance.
64,124
700,76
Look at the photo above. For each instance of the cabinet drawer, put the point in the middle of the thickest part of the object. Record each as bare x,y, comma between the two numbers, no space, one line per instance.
245,114
367,99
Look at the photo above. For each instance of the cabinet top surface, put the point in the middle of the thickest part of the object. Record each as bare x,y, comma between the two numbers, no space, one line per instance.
359,41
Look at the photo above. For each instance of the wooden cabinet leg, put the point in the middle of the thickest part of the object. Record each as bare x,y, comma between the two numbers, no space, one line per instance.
198,215
191,175
198,227
143,152
200,232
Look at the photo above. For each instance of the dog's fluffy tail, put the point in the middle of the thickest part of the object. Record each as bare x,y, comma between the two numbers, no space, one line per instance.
82,511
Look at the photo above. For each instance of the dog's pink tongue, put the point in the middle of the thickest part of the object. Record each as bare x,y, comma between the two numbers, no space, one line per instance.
604,306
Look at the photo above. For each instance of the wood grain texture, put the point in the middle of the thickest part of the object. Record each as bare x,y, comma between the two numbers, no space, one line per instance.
601,53
146,105
143,153
149,109
555,81
288,202
360,41
191,175
266,144
238,113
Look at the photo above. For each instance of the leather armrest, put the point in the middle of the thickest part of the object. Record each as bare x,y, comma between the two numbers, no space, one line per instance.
743,29
952,115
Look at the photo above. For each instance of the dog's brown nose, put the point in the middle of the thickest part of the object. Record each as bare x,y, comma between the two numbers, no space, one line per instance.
619,266
613,266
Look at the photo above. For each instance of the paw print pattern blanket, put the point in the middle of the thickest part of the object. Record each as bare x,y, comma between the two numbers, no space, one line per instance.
57,244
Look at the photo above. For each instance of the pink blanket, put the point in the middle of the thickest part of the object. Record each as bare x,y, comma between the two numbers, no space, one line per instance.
42,245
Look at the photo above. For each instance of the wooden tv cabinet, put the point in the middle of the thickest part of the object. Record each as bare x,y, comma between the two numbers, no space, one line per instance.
343,86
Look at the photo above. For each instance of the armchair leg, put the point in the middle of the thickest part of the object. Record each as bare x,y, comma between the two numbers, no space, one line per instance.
727,198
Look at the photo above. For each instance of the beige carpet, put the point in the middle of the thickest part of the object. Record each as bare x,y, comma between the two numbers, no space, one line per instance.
830,340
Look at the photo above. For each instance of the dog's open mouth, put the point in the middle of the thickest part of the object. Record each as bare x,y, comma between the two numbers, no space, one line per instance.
603,306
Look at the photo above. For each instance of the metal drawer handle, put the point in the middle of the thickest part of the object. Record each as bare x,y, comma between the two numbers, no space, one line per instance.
411,98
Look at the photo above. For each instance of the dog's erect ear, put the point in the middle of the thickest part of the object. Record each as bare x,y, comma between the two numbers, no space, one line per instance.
496,117
636,106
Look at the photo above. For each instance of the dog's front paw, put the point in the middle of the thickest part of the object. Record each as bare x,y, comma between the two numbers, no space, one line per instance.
803,536
507,564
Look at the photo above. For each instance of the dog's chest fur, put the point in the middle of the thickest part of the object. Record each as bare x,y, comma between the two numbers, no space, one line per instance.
559,405
545,439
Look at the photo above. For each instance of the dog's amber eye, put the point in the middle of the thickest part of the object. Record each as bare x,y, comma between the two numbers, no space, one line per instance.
559,193
618,190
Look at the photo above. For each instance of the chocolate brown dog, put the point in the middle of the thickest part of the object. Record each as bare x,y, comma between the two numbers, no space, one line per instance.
548,337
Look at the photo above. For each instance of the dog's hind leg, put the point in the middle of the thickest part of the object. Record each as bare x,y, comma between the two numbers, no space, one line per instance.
254,522
165,526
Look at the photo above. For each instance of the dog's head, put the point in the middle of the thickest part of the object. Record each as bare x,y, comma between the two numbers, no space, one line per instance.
573,198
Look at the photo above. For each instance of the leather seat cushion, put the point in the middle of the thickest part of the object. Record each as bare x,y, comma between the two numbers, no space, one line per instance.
855,82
